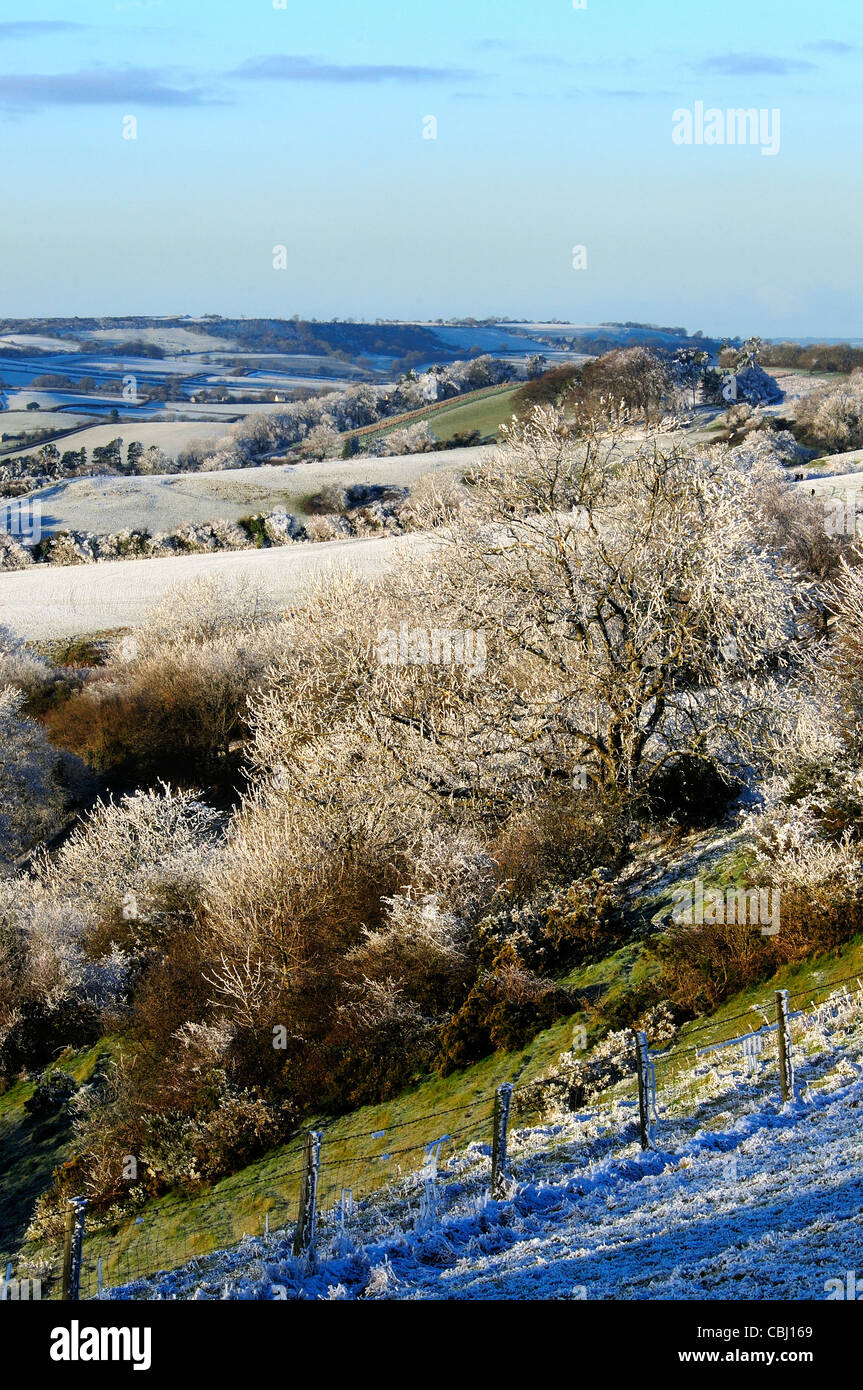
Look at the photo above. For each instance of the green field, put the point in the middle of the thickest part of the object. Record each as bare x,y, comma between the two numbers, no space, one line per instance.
485,410
485,415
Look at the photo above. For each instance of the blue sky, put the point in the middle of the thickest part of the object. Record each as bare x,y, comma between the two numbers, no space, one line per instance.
302,126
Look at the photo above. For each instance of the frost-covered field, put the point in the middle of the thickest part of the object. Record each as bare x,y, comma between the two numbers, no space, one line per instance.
170,435
741,1198
163,501
171,339
47,601
836,471
50,601
14,422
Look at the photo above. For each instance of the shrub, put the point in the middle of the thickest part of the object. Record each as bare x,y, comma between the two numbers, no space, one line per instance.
255,528
559,839
51,1093
703,965
549,389
39,785
585,921
79,651
177,708
381,1041
831,419
506,1008
412,439
331,500
141,862
21,668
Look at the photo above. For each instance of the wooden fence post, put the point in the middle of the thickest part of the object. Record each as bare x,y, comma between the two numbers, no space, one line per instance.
72,1249
304,1238
642,1067
786,1060
502,1102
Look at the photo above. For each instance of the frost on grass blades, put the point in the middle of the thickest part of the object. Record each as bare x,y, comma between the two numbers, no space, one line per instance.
585,1211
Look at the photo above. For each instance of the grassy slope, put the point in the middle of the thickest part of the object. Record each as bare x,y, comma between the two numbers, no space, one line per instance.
484,410
486,415
179,1225
31,1148
178,1228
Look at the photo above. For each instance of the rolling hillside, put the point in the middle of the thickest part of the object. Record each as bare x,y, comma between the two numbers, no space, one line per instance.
705,1111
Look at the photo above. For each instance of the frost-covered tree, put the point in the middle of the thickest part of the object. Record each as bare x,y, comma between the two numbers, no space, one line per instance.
629,382
200,610
832,418
324,441
19,667
38,783
142,860
631,614
413,439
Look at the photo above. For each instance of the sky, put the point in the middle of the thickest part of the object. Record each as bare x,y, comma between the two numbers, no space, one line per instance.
306,126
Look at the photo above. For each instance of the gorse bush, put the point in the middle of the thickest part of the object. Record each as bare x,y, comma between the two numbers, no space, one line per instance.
51,1093
506,1007
559,838
172,702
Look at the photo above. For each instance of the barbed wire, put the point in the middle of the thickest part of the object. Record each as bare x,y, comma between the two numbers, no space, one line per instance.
828,984
150,1248
405,1124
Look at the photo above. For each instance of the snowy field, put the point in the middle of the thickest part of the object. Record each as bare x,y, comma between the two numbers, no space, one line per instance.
49,601
163,501
40,341
169,435
170,339
52,601
836,471
740,1198
14,422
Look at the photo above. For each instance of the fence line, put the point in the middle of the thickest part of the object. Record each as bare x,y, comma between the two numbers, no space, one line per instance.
325,1190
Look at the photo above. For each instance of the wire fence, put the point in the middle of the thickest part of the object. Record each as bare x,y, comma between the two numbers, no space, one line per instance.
363,1177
